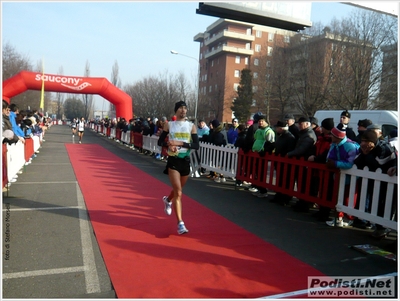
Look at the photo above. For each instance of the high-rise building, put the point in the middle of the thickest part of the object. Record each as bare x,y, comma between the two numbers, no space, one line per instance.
226,48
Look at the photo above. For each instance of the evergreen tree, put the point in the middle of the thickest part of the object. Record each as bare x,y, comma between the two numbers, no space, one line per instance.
242,104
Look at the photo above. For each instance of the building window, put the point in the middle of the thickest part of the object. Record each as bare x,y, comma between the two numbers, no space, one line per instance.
237,73
270,36
212,63
258,33
210,89
258,48
269,51
247,46
235,87
286,39
248,31
246,60
205,77
237,59
268,63
256,61
255,89
253,103
216,87
334,47
255,75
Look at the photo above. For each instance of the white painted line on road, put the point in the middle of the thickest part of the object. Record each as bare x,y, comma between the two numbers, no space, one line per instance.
91,276
43,208
42,272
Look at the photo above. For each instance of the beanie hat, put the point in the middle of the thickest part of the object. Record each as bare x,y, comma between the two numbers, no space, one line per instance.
303,119
338,133
364,123
256,116
281,124
289,116
314,120
328,124
346,114
374,127
215,123
179,104
370,136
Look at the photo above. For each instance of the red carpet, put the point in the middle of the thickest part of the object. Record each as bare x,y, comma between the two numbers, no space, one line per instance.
145,256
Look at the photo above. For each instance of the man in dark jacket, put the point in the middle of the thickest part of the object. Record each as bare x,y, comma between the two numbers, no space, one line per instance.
289,118
304,148
344,125
285,142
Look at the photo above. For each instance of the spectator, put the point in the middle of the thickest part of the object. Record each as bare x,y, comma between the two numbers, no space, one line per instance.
375,153
289,118
249,123
202,129
378,130
322,147
217,138
303,149
315,126
250,132
232,132
264,142
393,140
361,128
12,117
8,134
341,155
240,143
344,125
285,142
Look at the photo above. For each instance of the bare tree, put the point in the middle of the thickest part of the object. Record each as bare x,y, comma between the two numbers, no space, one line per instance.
13,63
357,58
116,81
87,99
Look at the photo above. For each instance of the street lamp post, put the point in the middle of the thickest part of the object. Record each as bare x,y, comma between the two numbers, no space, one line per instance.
198,78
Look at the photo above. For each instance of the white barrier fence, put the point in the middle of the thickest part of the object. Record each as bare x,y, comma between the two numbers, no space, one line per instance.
223,160
384,195
16,156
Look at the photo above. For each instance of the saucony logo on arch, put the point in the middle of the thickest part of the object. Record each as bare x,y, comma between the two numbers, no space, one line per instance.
64,81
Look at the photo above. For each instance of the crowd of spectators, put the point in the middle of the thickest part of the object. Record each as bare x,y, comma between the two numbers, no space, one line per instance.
336,146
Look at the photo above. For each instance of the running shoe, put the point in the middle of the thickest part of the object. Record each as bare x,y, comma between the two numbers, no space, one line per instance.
167,205
181,228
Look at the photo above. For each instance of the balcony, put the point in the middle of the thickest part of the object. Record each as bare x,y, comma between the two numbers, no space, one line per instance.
228,49
223,35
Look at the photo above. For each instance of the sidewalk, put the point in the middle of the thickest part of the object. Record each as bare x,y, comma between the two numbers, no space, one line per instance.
50,251
49,248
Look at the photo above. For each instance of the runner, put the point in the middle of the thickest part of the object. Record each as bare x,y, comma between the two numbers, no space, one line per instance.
73,127
81,128
182,138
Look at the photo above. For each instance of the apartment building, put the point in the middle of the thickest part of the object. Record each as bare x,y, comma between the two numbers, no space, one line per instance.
226,48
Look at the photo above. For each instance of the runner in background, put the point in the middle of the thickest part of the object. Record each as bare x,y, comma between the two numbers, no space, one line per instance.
81,128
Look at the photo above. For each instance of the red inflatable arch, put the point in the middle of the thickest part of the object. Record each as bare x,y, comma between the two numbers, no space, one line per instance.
26,80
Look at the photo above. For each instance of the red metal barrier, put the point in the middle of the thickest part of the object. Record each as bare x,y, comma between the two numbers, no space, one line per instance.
108,132
29,149
137,140
4,164
118,134
310,181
